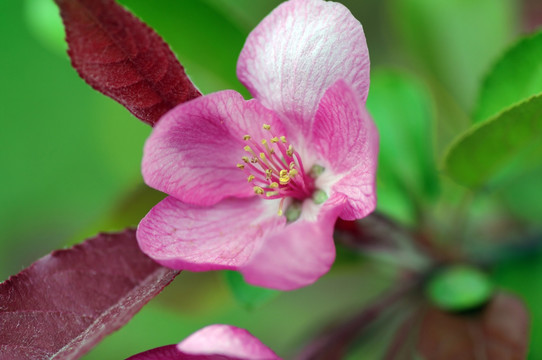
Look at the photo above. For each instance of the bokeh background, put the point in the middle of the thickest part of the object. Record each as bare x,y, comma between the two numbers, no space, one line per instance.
70,157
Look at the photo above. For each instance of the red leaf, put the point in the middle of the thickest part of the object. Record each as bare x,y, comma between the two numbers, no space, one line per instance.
66,302
500,332
123,58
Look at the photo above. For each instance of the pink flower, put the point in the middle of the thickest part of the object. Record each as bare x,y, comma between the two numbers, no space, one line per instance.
256,186
213,342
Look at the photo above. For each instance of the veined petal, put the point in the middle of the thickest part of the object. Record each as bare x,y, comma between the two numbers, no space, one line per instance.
229,341
193,151
297,52
195,238
213,342
295,255
345,136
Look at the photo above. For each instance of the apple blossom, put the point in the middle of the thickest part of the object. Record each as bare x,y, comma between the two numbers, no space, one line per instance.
256,186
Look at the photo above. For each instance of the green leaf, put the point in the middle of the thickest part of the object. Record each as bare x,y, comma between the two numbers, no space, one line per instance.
498,149
515,77
401,108
522,276
518,196
248,295
45,23
459,288
455,41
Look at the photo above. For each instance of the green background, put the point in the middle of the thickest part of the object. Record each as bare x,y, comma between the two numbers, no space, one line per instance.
70,157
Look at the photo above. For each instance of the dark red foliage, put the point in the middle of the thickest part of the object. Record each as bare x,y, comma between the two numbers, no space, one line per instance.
66,302
532,15
170,352
499,332
123,58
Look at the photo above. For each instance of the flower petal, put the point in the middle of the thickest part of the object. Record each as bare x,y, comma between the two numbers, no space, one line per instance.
193,151
214,342
190,237
295,255
229,341
297,52
345,136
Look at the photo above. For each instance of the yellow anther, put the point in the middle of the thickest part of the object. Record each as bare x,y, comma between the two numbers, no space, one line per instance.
279,212
283,139
290,150
292,165
283,173
246,137
275,140
241,166
268,173
254,160
262,156
284,180
245,159
266,126
293,173
274,185
258,190
264,141
271,193
250,178
248,149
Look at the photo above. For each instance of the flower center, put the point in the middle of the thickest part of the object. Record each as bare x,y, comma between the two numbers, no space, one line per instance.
275,169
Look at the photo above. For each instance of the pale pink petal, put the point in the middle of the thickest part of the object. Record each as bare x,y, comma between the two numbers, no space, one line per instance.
297,52
346,139
294,256
214,342
190,237
193,151
226,340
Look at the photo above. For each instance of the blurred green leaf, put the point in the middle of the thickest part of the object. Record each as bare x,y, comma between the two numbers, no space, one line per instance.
455,41
245,14
459,288
248,295
522,196
402,110
515,77
493,151
44,21
522,276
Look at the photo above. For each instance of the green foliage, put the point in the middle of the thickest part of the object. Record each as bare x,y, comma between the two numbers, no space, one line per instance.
515,77
522,276
248,295
520,197
402,110
488,151
455,41
459,288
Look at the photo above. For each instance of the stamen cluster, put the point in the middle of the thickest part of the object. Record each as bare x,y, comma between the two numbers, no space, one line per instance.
275,169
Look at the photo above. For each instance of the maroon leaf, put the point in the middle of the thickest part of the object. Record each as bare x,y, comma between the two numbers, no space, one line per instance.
532,15
168,352
66,302
123,58
499,332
